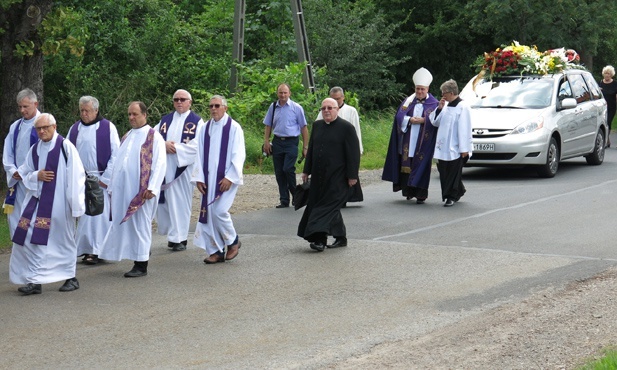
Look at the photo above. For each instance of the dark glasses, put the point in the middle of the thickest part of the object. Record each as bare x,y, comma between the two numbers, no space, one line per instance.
180,100
214,106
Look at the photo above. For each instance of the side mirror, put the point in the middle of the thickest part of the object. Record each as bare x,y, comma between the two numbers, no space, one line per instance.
567,103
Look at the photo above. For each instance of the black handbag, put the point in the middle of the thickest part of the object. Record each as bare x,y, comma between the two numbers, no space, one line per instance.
95,196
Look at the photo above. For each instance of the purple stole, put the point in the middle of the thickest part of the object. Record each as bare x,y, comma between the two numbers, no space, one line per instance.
145,166
188,134
34,138
42,224
103,142
220,172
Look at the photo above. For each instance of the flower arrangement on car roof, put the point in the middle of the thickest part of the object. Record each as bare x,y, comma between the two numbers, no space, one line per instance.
517,59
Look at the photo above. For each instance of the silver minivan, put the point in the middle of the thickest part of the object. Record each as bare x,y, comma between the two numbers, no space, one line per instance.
537,120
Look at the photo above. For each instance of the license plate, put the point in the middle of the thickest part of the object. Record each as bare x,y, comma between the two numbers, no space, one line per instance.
483,147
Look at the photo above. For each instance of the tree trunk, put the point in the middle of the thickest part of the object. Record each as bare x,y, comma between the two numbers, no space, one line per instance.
21,23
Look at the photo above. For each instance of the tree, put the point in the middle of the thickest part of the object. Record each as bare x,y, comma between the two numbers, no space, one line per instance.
22,56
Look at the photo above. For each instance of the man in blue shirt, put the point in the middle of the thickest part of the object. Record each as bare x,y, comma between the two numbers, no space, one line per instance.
285,119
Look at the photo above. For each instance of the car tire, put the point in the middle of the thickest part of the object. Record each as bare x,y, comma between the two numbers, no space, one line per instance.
549,169
597,156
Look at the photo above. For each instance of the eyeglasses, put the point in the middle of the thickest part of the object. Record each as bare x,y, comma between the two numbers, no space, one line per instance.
214,106
323,109
43,128
182,100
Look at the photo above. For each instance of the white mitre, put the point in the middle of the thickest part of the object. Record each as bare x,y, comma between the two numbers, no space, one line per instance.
422,77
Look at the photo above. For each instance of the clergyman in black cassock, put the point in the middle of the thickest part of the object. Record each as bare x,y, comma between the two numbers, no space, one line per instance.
332,162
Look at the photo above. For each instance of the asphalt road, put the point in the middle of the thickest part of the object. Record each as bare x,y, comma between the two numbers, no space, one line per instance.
409,269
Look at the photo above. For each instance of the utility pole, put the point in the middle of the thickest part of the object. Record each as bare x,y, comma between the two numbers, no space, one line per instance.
237,53
304,56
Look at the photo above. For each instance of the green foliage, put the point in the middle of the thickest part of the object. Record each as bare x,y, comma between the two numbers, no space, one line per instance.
353,41
608,362
5,235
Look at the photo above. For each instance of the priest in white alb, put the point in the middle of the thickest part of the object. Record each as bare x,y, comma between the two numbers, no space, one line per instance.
44,247
137,171
96,139
178,128
21,137
221,154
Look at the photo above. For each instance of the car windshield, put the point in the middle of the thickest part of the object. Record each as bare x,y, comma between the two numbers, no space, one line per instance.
518,93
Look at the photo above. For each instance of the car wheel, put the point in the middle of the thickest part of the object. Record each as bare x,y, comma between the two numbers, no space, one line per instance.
597,156
549,169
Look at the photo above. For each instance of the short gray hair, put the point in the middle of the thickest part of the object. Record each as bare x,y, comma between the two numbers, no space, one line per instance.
223,100
86,99
337,89
449,86
50,118
27,93
184,91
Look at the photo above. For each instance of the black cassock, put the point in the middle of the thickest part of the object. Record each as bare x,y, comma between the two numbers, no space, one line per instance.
332,158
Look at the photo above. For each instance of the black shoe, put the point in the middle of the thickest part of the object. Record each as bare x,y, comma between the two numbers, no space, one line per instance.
449,202
319,247
339,242
282,206
69,285
177,247
135,273
170,244
420,201
30,289
183,242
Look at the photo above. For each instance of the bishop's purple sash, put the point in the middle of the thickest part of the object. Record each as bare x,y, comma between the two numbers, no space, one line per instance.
103,142
9,200
220,172
42,223
188,134
145,168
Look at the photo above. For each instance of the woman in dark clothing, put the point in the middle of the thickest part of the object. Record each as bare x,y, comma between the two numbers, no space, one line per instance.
609,90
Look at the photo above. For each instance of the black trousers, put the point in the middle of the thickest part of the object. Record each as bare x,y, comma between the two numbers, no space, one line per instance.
451,178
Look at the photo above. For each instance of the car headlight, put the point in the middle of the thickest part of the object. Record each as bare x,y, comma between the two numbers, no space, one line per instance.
529,126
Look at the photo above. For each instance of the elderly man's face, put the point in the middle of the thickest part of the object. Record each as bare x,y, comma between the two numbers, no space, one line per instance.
87,112
27,108
329,110
217,109
44,129
182,102
421,92
136,118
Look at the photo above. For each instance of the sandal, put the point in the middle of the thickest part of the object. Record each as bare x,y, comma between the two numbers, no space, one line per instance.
91,259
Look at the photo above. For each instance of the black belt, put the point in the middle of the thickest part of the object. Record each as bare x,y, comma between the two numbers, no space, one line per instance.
285,138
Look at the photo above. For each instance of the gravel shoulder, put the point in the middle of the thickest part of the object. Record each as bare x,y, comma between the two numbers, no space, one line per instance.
551,329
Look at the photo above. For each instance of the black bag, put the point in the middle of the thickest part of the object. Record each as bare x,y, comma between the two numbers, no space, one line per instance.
95,195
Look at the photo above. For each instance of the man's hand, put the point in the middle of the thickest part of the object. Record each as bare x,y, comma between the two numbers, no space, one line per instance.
268,148
352,182
225,184
305,177
416,120
102,184
202,187
45,176
148,194
170,147
16,176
